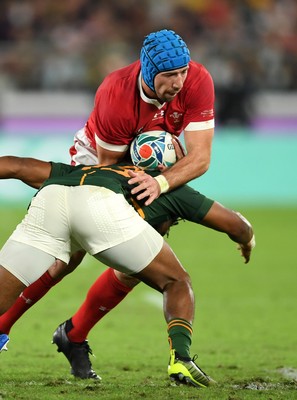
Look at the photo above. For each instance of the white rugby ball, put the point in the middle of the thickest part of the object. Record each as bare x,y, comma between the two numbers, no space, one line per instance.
150,149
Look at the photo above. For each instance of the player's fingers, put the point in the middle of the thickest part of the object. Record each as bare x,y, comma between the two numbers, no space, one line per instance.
152,196
132,173
246,258
151,191
139,188
139,178
138,181
135,174
162,168
178,147
143,195
149,200
133,181
245,253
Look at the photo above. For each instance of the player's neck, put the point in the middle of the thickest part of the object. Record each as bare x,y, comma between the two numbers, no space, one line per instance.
147,91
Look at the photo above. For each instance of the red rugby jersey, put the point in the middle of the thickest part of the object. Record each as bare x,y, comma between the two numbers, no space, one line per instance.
122,110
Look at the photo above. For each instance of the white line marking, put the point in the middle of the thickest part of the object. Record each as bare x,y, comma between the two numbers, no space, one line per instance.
154,298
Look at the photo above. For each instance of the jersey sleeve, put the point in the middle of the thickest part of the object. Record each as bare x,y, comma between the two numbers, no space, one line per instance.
200,103
182,203
59,169
189,204
113,114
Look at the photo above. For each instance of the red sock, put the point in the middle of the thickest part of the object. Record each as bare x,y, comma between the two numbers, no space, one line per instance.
27,299
103,296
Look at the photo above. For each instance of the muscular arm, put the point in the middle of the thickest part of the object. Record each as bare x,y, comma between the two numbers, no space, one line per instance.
193,165
234,225
227,221
197,160
108,157
31,171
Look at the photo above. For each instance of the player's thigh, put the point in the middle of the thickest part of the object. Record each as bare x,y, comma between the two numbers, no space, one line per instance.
59,269
105,220
164,269
25,262
133,255
45,225
10,289
128,280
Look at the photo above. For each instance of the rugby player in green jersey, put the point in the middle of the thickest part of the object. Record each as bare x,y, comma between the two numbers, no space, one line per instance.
183,202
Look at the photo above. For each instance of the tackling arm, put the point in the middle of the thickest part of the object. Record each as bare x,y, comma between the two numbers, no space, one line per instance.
31,171
194,164
197,160
234,225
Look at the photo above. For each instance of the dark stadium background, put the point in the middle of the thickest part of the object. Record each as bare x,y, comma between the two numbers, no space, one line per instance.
54,54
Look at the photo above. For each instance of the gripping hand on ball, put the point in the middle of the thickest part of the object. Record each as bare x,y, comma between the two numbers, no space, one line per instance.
179,151
178,147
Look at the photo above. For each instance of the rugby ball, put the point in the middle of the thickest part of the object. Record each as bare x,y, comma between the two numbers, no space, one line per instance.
151,149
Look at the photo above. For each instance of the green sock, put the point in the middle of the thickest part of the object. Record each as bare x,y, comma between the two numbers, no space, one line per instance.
180,336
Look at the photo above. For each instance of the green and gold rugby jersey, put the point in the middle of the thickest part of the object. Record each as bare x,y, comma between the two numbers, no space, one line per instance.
181,203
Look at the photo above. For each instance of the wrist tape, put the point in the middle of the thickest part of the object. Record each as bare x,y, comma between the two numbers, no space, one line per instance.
163,183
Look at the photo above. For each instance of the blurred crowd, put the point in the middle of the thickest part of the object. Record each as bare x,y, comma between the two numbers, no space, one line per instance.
247,45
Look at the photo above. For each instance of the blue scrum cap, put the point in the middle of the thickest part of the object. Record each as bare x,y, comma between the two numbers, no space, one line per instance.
162,51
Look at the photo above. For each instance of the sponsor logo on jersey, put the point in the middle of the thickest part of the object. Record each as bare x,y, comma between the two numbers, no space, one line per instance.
176,117
158,115
207,113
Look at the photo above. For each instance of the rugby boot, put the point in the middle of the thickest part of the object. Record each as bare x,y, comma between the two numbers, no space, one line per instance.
4,339
186,371
76,353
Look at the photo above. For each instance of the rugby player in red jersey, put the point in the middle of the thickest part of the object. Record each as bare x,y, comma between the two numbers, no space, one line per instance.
164,90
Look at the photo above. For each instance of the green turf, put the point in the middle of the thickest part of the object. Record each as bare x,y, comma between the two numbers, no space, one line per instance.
244,332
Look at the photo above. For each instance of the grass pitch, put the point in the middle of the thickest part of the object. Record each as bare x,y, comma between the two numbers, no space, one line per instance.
244,332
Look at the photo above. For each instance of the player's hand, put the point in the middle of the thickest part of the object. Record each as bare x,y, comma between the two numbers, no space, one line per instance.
178,147
179,151
162,168
246,249
147,186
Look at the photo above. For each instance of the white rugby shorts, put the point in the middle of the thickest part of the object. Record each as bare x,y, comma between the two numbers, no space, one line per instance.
84,152
96,218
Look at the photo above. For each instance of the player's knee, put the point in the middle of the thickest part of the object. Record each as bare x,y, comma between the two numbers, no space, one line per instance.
126,280
10,288
59,269
178,283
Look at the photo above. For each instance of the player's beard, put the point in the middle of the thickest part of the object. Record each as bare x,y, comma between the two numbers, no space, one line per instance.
167,97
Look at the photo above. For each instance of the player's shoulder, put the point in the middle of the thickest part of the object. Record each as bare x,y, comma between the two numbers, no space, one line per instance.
119,85
59,168
195,67
198,78
127,73
197,71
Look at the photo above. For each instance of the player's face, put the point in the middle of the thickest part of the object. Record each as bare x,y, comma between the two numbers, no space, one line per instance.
169,83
